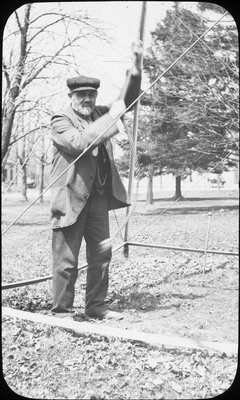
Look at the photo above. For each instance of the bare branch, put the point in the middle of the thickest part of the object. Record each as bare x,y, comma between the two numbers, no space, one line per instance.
18,21
28,133
47,62
45,29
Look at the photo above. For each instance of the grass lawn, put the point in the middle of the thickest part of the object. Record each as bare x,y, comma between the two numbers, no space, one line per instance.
158,291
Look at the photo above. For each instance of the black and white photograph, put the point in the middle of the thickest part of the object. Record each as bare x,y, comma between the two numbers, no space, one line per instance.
120,200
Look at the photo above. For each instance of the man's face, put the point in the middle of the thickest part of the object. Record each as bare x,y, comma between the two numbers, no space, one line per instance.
84,101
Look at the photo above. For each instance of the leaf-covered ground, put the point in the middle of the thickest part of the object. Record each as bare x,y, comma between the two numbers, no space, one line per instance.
47,363
157,290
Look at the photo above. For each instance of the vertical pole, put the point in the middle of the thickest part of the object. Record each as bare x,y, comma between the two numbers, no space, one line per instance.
135,129
206,247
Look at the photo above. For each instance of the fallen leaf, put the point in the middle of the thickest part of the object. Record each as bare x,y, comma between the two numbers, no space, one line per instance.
175,386
158,382
152,363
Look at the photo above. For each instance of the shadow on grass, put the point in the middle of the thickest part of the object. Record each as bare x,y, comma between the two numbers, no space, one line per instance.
190,210
145,301
184,199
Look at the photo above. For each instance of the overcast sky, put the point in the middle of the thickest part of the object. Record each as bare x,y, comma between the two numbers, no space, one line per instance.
109,61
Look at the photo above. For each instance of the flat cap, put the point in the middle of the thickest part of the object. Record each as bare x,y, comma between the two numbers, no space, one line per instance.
83,83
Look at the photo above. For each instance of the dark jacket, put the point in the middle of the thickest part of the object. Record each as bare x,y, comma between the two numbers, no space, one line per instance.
71,191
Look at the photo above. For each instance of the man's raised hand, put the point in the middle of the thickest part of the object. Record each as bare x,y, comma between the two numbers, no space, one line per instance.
137,52
117,108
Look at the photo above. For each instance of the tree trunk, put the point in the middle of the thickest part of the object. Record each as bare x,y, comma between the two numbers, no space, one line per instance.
7,128
14,85
236,174
149,199
5,160
160,178
178,193
190,176
23,164
41,178
24,183
218,181
137,187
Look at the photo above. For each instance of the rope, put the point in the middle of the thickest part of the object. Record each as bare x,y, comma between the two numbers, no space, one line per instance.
102,133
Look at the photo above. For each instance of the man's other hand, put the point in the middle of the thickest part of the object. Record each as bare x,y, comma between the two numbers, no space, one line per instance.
137,53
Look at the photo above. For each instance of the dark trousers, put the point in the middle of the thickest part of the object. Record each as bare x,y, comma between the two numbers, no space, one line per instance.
93,225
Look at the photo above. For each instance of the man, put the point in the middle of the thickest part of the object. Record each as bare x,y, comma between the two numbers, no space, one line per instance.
82,196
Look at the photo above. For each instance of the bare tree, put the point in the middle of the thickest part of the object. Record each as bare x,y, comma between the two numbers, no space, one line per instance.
21,158
35,45
42,160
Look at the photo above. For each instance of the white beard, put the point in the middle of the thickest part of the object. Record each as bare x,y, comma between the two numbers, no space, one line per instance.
84,111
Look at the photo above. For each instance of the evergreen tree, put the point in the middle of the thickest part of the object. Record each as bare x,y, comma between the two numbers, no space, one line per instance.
192,116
